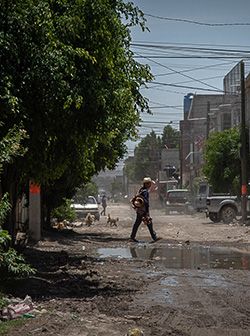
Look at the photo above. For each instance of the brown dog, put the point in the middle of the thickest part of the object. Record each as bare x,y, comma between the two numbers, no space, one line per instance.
112,221
60,225
89,219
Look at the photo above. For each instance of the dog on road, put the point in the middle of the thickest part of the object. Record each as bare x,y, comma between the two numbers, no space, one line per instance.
89,219
112,221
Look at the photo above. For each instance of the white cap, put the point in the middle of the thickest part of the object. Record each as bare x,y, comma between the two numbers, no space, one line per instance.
147,180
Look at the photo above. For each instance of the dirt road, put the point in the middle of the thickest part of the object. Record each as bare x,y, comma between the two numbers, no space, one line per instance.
91,281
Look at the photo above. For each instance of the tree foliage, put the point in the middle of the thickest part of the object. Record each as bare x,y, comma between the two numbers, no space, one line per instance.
147,155
170,137
75,76
68,75
64,211
89,189
222,161
10,261
146,159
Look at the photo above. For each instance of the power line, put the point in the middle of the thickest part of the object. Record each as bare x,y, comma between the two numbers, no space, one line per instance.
194,57
156,122
207,78
196,44
198,22
185,48
167,51
164,106
200,104
213,66
188,87
163,90
184,75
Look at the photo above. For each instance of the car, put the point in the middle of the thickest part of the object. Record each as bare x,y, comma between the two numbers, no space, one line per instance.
178,200
89,205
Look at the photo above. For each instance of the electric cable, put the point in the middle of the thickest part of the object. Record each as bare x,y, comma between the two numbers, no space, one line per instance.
187,76
198,22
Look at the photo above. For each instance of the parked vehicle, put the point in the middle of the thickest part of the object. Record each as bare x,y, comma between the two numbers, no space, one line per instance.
223,208
89,205
178,200
164,186
204,190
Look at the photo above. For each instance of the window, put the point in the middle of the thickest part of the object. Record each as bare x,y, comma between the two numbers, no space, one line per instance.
226,121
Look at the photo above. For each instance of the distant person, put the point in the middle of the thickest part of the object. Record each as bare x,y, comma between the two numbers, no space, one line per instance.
104,205
141,205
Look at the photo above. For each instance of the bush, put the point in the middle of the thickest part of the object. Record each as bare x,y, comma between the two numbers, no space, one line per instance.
3,301
11,263
64,211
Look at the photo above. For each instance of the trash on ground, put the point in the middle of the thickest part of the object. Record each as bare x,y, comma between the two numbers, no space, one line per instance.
18,308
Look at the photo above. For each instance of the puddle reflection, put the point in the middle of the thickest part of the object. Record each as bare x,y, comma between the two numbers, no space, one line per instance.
183,257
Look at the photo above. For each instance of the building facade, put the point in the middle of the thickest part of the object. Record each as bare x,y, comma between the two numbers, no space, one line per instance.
207,113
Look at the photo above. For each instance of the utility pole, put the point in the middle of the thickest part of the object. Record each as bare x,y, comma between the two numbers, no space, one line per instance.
208,120
243,146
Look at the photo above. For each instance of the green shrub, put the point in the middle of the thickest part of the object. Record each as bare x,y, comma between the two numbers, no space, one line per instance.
64,211
4,209
11,263
3,301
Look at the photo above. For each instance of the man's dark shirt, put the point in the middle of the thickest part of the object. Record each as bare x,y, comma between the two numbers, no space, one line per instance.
144,193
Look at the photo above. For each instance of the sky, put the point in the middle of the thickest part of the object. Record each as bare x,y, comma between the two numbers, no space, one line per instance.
174,48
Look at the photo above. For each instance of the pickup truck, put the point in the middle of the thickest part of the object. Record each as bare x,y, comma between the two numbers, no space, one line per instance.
224,208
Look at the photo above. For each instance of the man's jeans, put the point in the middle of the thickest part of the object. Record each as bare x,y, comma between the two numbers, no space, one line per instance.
137,223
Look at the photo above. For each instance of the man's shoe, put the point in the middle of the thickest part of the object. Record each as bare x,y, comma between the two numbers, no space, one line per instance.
156,239
133,240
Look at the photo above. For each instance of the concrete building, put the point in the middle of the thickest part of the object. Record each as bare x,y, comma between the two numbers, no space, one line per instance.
207,113
204,114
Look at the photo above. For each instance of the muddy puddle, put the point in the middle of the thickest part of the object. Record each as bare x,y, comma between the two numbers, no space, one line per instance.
182,256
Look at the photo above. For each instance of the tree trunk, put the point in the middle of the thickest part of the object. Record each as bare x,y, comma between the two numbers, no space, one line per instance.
46,211
9,185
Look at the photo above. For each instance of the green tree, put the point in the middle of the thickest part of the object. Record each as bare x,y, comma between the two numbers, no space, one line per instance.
68,74
170,137
222,161
89,189
147,157
117,189
129,169
147,154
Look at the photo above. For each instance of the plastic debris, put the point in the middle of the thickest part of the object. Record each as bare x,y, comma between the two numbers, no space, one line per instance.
28,315
17,309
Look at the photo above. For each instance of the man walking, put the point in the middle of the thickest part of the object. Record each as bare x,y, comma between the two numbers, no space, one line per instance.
104,205
141,204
